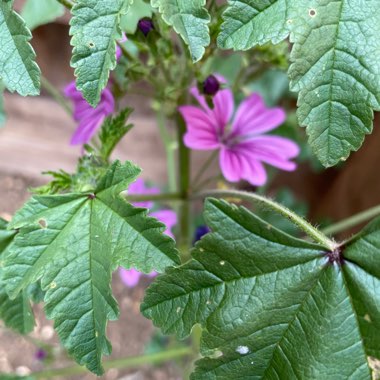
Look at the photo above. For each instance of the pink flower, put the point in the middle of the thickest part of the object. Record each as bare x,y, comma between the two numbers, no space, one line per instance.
131,277
89,119
241,140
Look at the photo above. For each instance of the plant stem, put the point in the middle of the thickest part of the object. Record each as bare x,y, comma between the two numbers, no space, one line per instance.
184,186
306,227
204,167
153,197
56,95
170,148
352,221
118,363
67,3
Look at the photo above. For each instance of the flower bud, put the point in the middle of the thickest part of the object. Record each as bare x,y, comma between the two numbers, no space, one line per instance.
146,26
211,85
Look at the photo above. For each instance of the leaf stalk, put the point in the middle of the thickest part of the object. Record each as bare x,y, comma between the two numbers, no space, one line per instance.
301,223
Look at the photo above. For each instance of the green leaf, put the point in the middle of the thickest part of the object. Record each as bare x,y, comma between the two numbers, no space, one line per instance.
18,69
190,19
336,63
40,12
16,314
138,10
272,306
73,243
112,131
95,30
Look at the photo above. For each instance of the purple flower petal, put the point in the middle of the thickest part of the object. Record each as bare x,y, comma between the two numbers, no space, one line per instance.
138,187
273,150
130,277
85,130
223,109
90,119
236,165
252,117
201,130
168,217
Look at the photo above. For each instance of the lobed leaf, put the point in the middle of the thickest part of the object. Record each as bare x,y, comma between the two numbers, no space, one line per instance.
73,243
17,313
18,69
272,306
95,30
190,19
335,67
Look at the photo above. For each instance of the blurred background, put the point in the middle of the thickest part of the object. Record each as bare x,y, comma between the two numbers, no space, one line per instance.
35,138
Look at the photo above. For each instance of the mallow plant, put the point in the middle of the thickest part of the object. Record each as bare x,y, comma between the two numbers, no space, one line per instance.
262,295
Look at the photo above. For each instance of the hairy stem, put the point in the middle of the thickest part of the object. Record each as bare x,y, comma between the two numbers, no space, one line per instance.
352,221
301,223
118,363
56,95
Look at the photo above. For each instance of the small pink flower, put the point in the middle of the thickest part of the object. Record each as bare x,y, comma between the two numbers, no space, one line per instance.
138,187
90,119
241,140
131,277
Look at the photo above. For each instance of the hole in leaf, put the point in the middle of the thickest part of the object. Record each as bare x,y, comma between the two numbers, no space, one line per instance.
312,12
42,223
91,45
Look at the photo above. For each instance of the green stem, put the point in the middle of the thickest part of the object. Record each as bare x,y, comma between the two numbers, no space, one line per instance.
352,221
170,148
118,363
56,95
184,186
204,167
306,227
154,197
67,3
